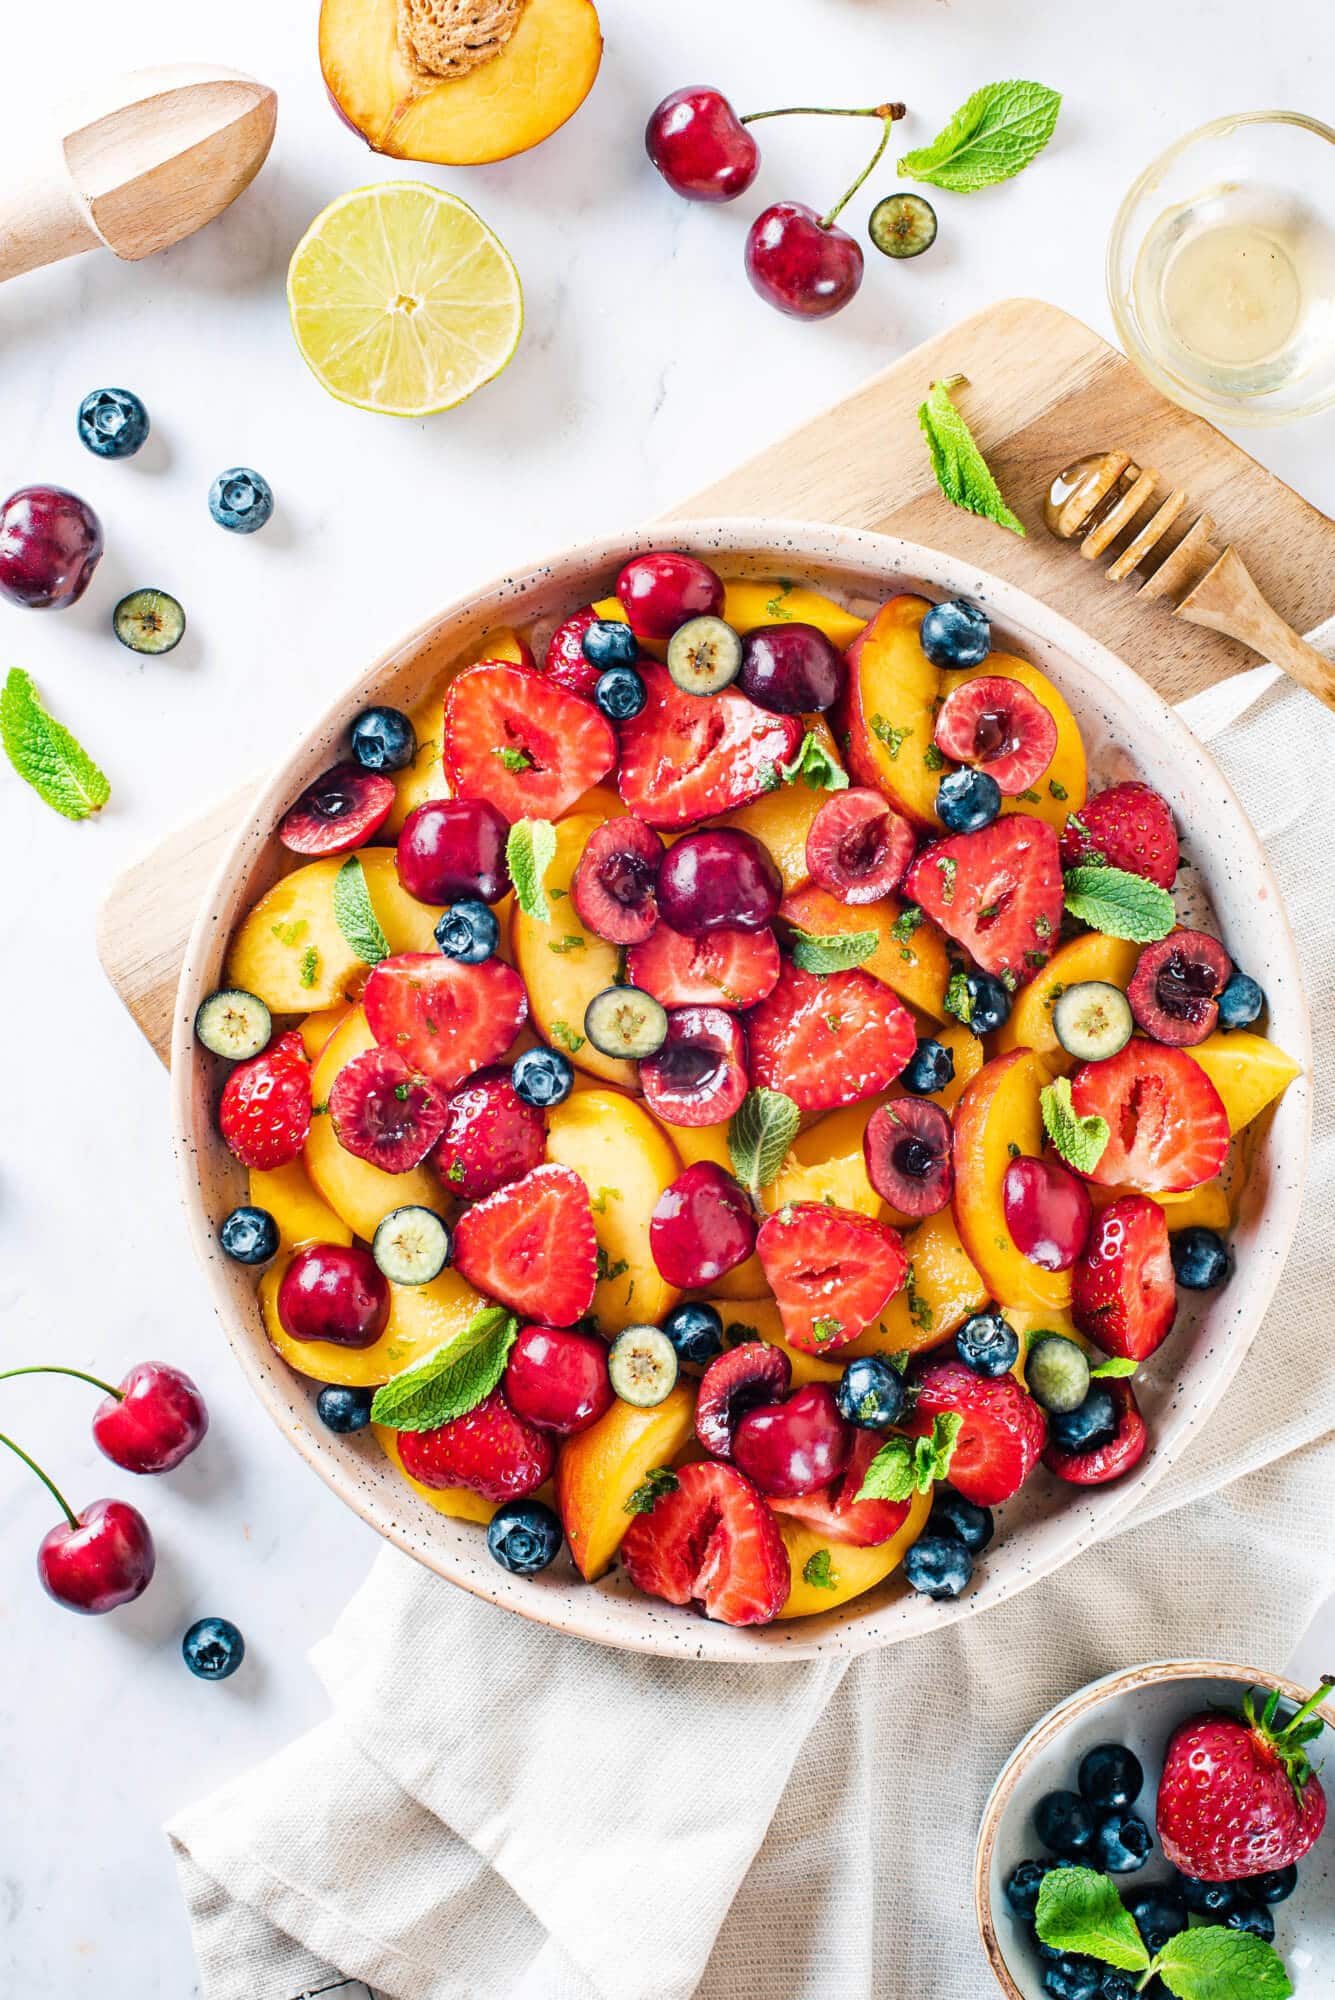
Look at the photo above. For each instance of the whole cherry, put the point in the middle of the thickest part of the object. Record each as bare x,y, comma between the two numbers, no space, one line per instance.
797,259
700,146
149,1422
50,544
94,1560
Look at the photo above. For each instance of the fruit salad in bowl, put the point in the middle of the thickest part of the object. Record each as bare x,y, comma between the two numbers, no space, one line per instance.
743,1095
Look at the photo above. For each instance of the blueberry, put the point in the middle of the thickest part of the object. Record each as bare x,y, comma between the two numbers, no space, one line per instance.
1254,1917
989,1002
249,1235
1064,1823
870,1393
1111,1777
1206,1899
240,501
524,1536
1091,1424
113,423
953,1515
1241,1002
939,1566
620,693
1117,1985
1022,1887
930,1067
1201,1259
695,1330
1056,1372
967,800
987,1344
543,1077
956,634
1071,1977
1274,1887
610,643
383,739
344,1410
1159,1914
468,932
213,1649
1122,1843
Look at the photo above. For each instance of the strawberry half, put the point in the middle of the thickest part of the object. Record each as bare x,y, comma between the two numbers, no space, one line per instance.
713,1542
265,1113
1105,1462
490,1136
829,1040
531,1245
998,892
1002,1435
685,758
1001,727
1238,1795
831,1272
383,1111
489,1450
724,968
513,737
446,1018
836,1511
1167,1126
1128,826
1123,1293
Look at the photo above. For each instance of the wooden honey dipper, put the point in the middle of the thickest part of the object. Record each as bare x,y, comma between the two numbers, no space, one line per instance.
1101,496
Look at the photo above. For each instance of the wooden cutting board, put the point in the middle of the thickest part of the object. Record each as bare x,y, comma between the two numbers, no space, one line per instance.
1043,390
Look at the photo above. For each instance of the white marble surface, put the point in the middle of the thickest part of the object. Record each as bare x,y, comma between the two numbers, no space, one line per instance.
647,367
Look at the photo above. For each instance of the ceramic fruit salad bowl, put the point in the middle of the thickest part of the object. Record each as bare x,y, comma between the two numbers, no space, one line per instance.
707,1086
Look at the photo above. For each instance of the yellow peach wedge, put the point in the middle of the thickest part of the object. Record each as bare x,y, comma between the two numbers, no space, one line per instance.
625,1161
289,948
1064,786
361,1194
425,778
563,965
421,1318
1248,1071
1203,1207
459,1502
301,1214
602,1467
852,1571
997,1118
316,1029
968,1053
1029,1025
889,712
747,605
912,963
780,820
943,1288
826,1163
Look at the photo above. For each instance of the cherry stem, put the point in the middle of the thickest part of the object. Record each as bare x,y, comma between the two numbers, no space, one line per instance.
887,113
50,1486
825,111
48,1368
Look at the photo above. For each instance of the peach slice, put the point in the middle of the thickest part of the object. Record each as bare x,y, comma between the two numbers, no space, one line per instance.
888,713
289,948
943,1288
625,1161
316,1029
852,1570
425,778
417,92
421,1317
710,1142
1064,786
914,966
997,1118
599,1470
1030,1023
780,820
761,1317
302,1215
356,1191
563,965
1204,1207
1248,1071
825,1163
747,605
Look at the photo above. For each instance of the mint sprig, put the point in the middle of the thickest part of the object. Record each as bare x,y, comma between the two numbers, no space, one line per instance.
453,1379
1212,1963
1081,1141
760,1132
993,135
354,915
1119,904
814,765
44,753
529,853
961,471
905,1466
1081,1911
1115,1369
837,951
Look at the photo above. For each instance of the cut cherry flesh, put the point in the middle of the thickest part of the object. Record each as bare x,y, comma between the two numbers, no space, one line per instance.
724,968
1174,990
739,1380
334,1292
698,1077
613,886
384,1112
857,848
720,879
791,1448
791,669
700,146
1048,1212
453,851
558,1379
908,1147
341,810
701,1226
798,264
1000,727
661,591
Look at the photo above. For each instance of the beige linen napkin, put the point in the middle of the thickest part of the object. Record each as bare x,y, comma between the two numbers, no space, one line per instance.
541,1819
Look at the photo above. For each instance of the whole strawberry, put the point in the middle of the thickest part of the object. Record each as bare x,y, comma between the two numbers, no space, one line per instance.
265,1112
1128,826
489,1449
1238,1795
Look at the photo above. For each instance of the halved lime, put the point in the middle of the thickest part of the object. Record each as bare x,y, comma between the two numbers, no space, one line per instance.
402,299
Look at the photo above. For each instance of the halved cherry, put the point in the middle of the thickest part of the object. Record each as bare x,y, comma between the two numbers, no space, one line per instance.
1001,727
1048,1212
857,848
1167,1126
341,810
712,1541
383,1111
725,968
446,1018
909,1150
836,1511
795,1446
700,1227
514,737
613,885
698,1077
1174,990
740,1379
1107,1461
688,757
831,1272
564,661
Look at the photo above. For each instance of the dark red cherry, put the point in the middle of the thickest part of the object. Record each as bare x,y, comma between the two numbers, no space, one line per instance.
1174,990
858,848
613,886
558,1379
793,1447
453,851
154,1421
700,146
791,669
698,1077
738,1380
1048,1212
908,1148
341,810
719,879
335,1292
799,265
50,544
661,591
107,1559
701,1226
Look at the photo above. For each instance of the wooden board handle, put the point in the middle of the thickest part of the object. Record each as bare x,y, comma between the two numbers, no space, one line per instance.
41,221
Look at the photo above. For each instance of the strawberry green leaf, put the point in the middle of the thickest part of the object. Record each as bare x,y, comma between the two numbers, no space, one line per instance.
1080,1910
1080,1141
839,951
355,917
658,1481
1119,904
760,1132
814,765
453,1379
992,136
529,853
44,753
1212,1963
961,470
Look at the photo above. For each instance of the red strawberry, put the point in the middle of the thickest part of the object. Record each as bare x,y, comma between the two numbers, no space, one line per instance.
1000,727
490,1450
831,1272
564,662
1238,1795
685,757
448,1019
724,968
1003,1432
1109,1461
384,1112
342,809
1123,1293
711,1541
1128,826
491,1136
1167,1126
998,892
265,1112
836,1511
829,1041
513,737
532,1246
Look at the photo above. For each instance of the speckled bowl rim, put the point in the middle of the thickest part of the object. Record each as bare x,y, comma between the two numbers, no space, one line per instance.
455,1549
1045,1732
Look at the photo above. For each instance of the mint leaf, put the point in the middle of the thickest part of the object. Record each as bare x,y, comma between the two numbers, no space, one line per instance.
514,760
1080,1141
529,853
1113,1369
814,765
310,966
959,999
658,1481
904,1466
761,1130
992,136
453,1379
562,1032
839,951
1118,904
290,934
961,470
1212,1963
817,1572
1080,1910
355,917
906,923
44,753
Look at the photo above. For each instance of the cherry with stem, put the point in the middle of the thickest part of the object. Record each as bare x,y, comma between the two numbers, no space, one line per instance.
152,1420
799,261
94,1560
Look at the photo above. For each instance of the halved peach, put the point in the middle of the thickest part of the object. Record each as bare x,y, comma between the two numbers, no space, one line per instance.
289,949
563,965
302,1215
915,967
358,1192
420,91
599,1470
425,778
852,1570
747,605
459,1502
625,1160
1248,1071
888,713
1029,1025
1064,786
943,1288
998,1118
780,820
710,1142
421,1317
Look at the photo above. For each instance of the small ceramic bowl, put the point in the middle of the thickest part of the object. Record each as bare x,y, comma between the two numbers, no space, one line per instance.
1139,1707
